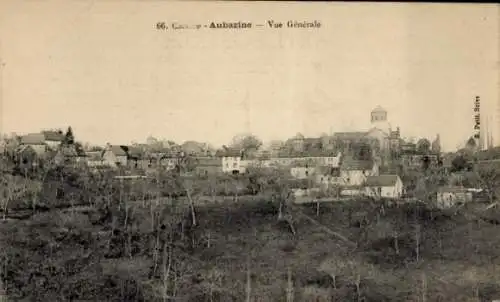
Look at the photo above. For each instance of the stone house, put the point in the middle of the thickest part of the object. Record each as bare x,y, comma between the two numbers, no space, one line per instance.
384,186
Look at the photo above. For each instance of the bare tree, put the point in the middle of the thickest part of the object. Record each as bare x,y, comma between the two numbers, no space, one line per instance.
11,188
334,267
189,187
289,289
167,264
417,241
489,179
249,283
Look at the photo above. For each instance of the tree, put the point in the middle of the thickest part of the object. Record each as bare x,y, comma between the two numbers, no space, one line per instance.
12,188
436,145
471,143
423,146
275,145
460,163
489,179
69,138
246,142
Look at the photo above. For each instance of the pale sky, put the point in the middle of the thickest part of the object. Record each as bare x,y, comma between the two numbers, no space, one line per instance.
104,69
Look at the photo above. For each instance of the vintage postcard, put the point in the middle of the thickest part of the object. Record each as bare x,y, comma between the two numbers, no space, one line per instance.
249,151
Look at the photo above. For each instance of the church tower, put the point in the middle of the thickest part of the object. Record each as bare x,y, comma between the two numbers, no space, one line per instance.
379,119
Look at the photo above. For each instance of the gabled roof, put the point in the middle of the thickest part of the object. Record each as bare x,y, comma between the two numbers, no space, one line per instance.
381,181
118,150
323,170
133,152
312,140
55,136
354,165
33,139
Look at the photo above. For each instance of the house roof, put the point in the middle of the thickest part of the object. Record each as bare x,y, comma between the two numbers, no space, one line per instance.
312,140
298,136
167,154
349,135
381,181
324,170
353,164
159,151
94,155
229,153
134,152
409,145
378,109
55,136
193,147
33,139
453,189
118,150
208,161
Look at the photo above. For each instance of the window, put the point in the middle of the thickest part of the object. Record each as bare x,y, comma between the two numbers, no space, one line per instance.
235,165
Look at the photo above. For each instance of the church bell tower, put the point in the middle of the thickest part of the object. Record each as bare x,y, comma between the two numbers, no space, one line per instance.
379,119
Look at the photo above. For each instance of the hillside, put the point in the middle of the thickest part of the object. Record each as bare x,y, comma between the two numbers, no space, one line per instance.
90,253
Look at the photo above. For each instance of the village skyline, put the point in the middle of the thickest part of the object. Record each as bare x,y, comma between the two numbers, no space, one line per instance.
425,66
486,137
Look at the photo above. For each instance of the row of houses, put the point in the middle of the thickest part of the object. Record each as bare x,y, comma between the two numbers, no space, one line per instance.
325,169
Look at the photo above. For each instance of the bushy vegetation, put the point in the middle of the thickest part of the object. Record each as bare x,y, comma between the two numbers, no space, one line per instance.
88,236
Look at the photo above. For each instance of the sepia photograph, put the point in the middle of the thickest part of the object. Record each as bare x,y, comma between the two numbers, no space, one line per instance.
249,151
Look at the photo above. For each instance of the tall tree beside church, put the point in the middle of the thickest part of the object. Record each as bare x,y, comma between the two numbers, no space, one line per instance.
423,146
69,138
436,145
